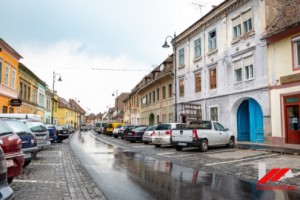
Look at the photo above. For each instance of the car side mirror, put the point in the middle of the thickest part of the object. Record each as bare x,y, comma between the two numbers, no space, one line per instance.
226,129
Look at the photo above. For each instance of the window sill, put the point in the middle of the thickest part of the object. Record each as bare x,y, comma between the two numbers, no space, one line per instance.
181,66
238,82
211,52
197,58
248,80
242,37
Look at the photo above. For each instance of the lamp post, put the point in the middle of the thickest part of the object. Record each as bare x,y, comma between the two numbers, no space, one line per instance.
166,45
59,79
113,94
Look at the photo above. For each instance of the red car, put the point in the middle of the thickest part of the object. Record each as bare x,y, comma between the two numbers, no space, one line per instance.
12,148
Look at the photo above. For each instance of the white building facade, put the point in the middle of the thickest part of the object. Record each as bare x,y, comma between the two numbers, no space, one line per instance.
221,65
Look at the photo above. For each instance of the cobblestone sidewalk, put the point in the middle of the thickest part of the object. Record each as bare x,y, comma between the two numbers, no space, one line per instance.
56,174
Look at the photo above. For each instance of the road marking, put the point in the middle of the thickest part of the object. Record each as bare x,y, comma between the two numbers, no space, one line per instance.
37,181
232,161
161,154
50,164
180,155
143,146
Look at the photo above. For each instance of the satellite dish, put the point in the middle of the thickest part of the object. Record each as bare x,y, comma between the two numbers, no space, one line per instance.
162,66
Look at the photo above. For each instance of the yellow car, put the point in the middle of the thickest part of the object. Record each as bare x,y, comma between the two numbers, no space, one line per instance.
111,126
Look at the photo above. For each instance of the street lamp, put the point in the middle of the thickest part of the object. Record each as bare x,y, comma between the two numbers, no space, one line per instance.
113,94
59,79
166,45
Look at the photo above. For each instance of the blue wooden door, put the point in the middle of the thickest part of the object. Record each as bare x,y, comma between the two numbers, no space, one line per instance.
243,122
256,122
250,122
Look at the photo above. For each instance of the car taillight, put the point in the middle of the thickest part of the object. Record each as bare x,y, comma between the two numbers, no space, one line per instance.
195,134
19,143
151,134
168,132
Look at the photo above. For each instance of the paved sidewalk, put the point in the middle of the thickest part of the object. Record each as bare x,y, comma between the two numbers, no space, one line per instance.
56,174
284,149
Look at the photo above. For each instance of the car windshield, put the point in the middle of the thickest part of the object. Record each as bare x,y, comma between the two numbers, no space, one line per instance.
98,125
17,126
163,127
36,126
119,126
151,128
141,128
4,128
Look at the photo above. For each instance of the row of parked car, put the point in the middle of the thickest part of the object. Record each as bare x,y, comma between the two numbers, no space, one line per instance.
21,137
202,134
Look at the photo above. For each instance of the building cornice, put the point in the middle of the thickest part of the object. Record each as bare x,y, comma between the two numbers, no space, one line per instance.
216,14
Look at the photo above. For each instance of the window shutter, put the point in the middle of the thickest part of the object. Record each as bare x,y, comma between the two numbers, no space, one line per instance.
247,15
237,64
247,61
236,21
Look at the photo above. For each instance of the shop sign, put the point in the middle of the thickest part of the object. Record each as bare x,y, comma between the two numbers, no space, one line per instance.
15,102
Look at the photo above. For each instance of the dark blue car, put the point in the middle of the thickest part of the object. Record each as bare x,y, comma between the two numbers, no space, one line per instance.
29,144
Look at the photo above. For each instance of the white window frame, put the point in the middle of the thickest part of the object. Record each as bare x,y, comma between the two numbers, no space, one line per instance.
210,109
296,52
237,31
6,78
13,79
240,70
197,48
181,56
249,72
212,41
248,25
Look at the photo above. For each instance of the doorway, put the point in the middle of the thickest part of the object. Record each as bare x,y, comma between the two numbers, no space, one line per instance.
292,122
250,121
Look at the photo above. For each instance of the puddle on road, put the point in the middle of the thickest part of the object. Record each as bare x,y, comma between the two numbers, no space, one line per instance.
131,175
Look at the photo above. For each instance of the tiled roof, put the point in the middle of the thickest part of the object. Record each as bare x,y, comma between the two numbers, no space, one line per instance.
288,16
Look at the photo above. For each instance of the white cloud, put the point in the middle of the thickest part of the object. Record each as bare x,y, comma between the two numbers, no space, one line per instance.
89,77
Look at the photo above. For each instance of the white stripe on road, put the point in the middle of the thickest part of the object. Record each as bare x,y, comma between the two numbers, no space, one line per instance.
238,160
161,154
143,146
37,181
180,155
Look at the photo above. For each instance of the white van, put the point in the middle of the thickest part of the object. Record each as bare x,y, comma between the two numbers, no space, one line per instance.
34,122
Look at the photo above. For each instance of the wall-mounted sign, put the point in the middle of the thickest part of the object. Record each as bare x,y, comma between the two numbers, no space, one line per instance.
15,102
290,79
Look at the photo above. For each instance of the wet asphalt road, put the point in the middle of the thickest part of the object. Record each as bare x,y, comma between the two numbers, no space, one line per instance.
125,174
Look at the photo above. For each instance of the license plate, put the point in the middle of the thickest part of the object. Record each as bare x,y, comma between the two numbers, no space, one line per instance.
39,137
129,133
182,144
9,163
27,155
64,131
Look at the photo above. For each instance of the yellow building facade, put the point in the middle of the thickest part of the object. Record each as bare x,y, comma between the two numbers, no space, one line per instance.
66,113
9,77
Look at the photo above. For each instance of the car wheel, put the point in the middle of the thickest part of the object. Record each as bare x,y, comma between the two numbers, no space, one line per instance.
157,145
9,180
146,142
178,148
27,162
203,145
115,136
59,140
231,142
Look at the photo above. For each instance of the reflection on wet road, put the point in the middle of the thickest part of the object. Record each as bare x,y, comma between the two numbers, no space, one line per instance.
122,174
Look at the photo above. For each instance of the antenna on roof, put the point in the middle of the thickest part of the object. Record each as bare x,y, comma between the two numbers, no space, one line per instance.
200,7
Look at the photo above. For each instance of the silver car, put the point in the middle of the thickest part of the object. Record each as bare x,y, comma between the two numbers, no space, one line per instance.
40,131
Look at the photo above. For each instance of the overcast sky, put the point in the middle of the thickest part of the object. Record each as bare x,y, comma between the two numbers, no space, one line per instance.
85,41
